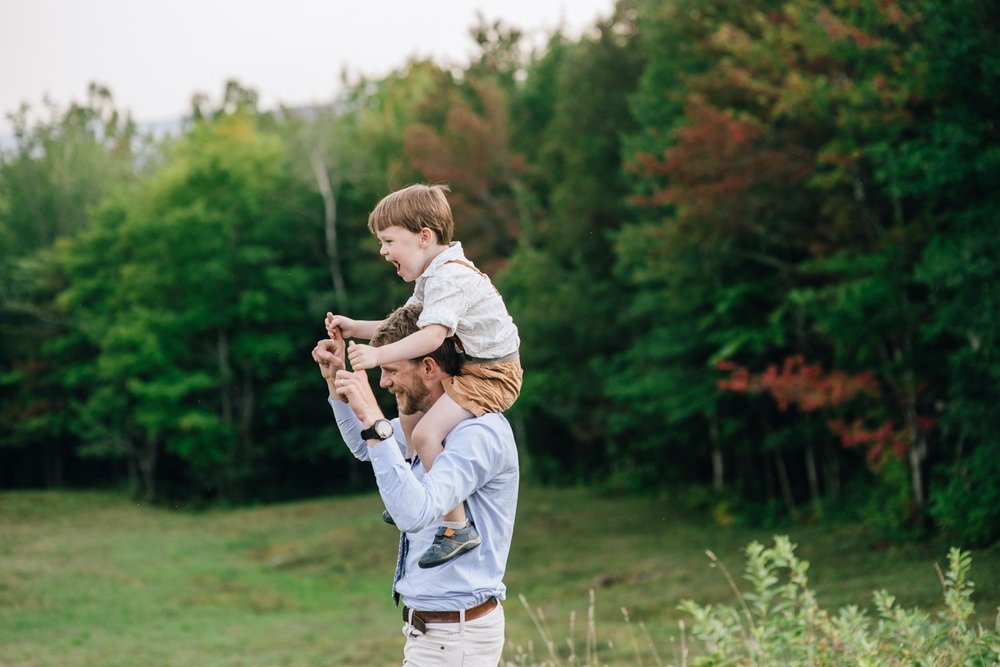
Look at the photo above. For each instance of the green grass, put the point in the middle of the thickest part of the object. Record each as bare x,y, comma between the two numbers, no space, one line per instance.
90,579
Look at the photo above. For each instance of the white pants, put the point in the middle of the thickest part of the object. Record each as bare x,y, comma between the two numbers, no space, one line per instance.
476,643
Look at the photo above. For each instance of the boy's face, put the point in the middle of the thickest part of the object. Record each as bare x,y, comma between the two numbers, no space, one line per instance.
406,250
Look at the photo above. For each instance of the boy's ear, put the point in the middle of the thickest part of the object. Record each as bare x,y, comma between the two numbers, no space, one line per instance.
426,235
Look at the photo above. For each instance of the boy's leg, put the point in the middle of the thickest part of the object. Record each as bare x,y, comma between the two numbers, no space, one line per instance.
428,439
436,423
409,422
456,536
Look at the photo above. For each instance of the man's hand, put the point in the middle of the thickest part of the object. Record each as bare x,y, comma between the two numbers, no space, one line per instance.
329,354
346,326
354,389
362,356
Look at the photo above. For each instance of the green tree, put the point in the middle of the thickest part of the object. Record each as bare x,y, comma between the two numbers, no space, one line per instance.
57,169
559,284
191,290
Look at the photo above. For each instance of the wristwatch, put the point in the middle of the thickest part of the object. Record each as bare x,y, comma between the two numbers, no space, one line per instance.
380,430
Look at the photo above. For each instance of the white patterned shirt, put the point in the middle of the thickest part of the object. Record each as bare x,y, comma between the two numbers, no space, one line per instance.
463,300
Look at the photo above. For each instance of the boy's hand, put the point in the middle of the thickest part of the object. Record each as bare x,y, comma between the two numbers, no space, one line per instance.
362,356
346,325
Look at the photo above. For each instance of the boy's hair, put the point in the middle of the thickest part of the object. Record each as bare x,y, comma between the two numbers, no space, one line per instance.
414,208
402,322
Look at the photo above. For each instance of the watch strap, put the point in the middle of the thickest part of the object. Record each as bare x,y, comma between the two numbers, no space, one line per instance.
371,433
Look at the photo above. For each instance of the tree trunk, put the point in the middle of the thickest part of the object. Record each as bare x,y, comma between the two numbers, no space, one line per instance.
245,441
904,386
225,375
148,453
917,455
832,470
133,476
769,492
784,483
520,438
811,473
718,478
227,395
53,464
329,194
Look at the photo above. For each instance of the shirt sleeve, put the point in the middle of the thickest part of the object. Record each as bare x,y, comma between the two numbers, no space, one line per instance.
470,459
446,299
350,428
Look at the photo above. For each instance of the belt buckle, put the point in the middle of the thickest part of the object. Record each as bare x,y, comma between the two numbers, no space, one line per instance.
417,624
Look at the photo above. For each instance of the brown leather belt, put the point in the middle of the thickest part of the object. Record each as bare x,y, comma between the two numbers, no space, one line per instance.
450,616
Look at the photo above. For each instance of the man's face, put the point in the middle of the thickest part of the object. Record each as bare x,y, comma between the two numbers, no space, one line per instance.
404,381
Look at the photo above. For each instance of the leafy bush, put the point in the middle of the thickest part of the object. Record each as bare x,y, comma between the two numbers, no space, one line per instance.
967,506
779,622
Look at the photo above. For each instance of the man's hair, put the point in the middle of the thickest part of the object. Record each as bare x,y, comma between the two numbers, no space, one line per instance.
414,208
401,323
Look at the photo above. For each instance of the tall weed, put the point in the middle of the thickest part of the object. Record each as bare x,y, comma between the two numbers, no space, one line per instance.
777,622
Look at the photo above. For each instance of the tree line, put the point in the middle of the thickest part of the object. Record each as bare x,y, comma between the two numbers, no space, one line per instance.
752,250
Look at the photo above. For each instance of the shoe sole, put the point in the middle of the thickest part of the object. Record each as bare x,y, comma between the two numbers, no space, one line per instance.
458,551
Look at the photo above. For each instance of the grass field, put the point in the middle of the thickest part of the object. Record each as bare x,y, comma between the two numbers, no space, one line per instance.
90,579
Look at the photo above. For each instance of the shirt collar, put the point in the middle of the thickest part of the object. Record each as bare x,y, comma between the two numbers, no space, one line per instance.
454,251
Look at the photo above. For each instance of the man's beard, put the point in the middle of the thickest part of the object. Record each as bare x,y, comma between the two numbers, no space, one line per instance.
413,400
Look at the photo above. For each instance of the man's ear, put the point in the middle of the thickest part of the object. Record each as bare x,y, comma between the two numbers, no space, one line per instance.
429,368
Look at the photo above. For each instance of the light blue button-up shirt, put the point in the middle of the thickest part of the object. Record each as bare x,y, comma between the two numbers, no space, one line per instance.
479,466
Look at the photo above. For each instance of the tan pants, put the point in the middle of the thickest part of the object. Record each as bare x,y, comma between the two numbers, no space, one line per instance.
486,387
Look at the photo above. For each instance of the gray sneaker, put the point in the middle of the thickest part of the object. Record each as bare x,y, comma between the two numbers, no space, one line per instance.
388,518
450,543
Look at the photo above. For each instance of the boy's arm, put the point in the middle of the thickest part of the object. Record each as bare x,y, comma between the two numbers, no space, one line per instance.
351,328
414,346
365,328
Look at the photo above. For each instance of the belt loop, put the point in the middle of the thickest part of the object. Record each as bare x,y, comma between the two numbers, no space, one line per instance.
461,621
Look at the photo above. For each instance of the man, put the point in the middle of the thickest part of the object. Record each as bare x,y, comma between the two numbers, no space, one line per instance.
452,613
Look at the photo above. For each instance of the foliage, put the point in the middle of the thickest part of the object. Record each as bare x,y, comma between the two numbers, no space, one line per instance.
571,327
779,621
685,183
187,288
57,170
967,504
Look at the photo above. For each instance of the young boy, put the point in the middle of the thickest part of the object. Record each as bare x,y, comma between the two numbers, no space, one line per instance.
414,226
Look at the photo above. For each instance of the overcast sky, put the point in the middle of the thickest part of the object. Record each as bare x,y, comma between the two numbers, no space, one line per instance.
155,55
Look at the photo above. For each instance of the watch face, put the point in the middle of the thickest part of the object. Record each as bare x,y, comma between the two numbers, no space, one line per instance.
382,428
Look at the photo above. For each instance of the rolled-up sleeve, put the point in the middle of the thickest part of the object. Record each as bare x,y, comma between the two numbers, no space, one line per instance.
350,428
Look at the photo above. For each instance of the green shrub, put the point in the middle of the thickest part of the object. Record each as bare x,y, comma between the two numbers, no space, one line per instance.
889,508
967,507
778,622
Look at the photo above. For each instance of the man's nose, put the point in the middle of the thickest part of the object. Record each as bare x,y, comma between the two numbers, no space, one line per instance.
383,380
